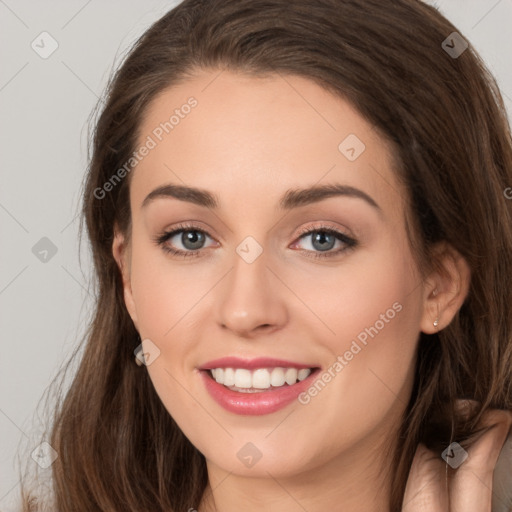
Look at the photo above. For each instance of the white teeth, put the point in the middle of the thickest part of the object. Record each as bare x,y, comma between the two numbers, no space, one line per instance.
261,378
277,377
290,376
302,374
229,377
219,375
243,378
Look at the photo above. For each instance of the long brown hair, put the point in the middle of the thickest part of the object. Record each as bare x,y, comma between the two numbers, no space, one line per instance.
118,448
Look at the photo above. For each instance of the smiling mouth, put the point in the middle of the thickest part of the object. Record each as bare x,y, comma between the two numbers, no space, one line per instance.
258,380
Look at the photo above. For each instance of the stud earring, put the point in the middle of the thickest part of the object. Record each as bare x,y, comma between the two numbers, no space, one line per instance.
434,294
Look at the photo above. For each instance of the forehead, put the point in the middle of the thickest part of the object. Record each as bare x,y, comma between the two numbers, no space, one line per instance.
243,137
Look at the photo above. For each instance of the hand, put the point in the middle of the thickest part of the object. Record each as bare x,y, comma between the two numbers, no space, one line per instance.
433,488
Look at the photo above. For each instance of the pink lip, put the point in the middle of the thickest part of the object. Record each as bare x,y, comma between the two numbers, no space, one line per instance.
254,404
251,364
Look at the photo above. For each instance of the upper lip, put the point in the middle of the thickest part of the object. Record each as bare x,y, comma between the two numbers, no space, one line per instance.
250,364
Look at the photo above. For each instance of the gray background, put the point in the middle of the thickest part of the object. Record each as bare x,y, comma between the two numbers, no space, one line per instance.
44,109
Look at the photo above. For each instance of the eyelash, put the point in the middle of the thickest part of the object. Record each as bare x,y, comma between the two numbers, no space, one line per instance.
350,243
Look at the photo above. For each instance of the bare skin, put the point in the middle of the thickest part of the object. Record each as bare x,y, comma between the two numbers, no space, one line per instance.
247,142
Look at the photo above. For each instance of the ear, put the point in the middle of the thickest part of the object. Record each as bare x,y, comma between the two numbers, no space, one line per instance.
122,254
446,289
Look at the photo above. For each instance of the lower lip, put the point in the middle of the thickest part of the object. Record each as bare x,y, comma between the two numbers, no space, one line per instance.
255,404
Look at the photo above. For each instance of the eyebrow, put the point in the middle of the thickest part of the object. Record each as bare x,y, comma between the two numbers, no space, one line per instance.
293,198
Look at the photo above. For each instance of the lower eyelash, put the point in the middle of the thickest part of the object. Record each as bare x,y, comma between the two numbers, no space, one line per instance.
185,254
348,241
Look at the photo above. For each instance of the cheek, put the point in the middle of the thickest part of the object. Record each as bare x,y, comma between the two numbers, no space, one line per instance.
374,309
166,297
373,295
165,293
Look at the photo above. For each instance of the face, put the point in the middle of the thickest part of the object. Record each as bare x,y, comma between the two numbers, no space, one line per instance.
307,306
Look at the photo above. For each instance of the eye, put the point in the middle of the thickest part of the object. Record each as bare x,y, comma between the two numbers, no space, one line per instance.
323,239
191,239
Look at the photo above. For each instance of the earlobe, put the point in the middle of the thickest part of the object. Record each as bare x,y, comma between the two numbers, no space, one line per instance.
121,253
446,289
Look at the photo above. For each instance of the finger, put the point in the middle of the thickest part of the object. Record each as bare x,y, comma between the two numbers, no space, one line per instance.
471,487
425,490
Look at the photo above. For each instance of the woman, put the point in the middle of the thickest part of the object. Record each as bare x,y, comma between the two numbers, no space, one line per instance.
304,255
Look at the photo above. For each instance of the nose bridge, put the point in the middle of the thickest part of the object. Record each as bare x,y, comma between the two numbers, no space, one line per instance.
250,297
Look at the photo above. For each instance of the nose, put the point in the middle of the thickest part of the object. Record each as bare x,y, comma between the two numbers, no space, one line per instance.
250,300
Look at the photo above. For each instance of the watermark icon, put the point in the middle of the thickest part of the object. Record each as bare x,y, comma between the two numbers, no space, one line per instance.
355,348
508,193
44,45
352,147
44,250
150,143
249,455
454,45
249,249
454,455
146,353
44,455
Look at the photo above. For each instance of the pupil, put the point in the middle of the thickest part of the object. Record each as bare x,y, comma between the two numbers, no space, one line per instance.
192,239
321,237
